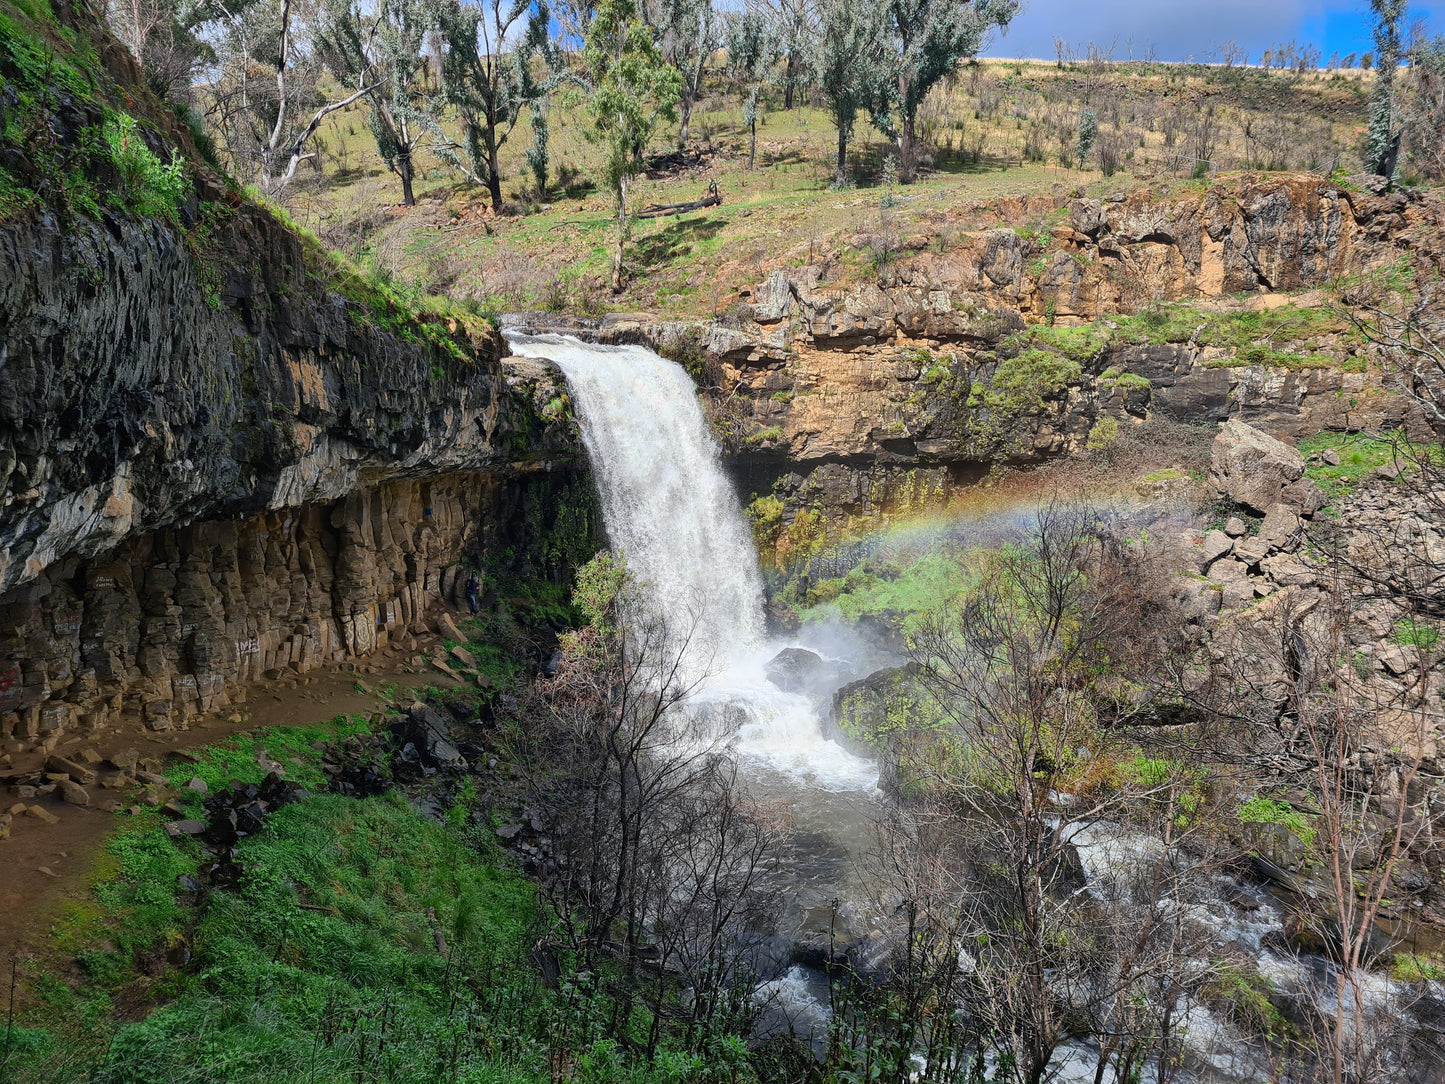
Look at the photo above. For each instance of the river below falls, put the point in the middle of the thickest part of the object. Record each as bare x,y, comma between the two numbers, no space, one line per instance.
671,511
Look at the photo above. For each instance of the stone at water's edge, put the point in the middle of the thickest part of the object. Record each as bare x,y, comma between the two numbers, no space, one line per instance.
794,668
799,670
891,715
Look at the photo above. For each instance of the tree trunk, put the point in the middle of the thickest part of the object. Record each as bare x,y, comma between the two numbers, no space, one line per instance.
842,177
686,120
403,167
752,143
907,150
789,79
621,235
494,173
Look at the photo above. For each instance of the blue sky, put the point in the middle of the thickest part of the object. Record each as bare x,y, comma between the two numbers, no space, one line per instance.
1181,28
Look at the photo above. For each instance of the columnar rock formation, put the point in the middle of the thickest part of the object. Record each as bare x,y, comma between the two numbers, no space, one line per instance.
219,464
175,622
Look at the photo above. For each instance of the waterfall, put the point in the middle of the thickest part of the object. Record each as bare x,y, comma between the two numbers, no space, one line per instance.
670,508
667,504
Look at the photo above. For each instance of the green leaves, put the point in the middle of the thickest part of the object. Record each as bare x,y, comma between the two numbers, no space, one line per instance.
152,187
633,89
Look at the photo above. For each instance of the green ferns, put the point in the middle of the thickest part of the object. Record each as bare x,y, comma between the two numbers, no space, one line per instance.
152,187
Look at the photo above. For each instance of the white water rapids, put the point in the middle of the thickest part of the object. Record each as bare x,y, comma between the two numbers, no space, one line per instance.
671,510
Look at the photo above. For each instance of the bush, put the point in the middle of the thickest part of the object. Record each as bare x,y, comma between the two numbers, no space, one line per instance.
152,187
1104,432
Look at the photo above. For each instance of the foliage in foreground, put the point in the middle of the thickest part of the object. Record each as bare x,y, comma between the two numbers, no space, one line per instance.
364,941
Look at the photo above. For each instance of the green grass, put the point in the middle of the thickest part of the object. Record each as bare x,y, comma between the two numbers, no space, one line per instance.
1261,810
1359,454
329,944
291,746
902,592
1418,634
364,940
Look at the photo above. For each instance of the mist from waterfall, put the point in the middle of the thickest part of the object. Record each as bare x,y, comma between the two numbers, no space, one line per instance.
671,510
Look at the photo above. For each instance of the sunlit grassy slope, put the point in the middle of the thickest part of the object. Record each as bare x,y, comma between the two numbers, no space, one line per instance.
999,129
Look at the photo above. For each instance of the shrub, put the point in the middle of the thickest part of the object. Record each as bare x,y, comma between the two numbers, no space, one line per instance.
1104,432
152,187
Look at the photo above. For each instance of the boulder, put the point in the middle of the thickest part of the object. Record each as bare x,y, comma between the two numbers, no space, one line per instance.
427,731
1235,527
1255,470
448,628
1279,527
775,299
1398,660
891,715
1251,551
1198,599
1216,544
1232,576
1286,570
74,793
77,772
798,670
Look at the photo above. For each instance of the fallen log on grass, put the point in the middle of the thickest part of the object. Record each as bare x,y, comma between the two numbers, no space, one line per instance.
662,210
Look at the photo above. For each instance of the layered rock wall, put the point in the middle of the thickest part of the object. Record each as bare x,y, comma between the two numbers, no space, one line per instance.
225,460
861,401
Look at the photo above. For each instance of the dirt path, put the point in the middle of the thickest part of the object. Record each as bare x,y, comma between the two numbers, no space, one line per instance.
43,866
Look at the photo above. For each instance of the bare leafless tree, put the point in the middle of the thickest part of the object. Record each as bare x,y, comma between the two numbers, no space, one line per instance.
662,860
1017,672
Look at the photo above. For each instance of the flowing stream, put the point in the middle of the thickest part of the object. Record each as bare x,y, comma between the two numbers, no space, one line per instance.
671,510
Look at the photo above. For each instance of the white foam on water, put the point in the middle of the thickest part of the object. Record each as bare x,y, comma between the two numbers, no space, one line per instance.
671,510
791,998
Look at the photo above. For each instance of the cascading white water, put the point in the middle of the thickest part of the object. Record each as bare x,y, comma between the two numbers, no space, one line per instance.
670,508
667,504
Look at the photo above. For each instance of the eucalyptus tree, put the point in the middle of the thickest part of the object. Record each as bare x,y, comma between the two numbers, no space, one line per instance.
753,52
266,99
846,58
629,89
686,32
794,22
923,42
381,51
167,39
490,79
1425,111
1383,141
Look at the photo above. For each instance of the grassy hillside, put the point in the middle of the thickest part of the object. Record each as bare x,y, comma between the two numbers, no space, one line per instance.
998,128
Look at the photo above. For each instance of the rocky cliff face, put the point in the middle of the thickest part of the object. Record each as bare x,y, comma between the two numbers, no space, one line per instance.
979,343
218,463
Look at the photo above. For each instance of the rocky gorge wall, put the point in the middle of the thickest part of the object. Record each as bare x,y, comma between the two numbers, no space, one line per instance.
177,622
220,463
1005,333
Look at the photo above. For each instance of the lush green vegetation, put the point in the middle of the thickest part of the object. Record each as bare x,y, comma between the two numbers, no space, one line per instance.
362,940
